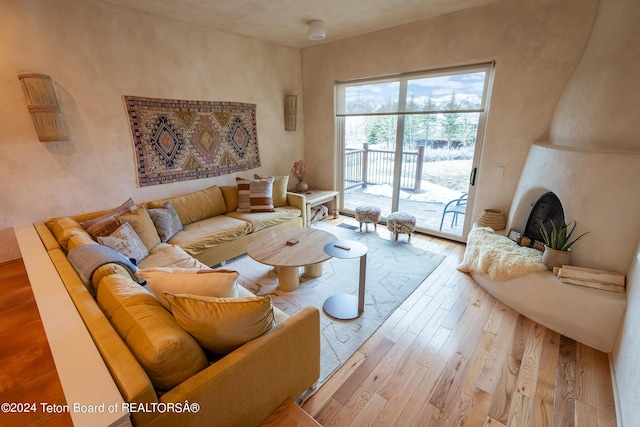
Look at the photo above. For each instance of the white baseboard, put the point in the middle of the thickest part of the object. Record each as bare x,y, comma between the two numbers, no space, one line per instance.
614,385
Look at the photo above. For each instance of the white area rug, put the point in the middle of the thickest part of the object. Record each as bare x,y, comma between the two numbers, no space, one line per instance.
394,271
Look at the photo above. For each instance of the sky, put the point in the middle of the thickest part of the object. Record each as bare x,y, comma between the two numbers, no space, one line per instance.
467,87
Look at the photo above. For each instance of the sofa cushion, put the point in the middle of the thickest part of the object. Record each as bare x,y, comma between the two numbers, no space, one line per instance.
166,220
203,282
222,324
169,256
230,193
142,224
107,270
79,239
196,206
125,240
203,235
255,195
105,224
262,220
280,186
167,353
64,229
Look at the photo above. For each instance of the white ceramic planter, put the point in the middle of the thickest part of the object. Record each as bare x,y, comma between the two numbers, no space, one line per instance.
301,187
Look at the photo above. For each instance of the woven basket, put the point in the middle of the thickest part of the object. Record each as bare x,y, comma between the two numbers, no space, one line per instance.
492,218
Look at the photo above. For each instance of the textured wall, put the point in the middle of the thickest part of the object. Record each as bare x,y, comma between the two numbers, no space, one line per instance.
601,102
599,111
626,352
544,90
587,183
536,45
96,53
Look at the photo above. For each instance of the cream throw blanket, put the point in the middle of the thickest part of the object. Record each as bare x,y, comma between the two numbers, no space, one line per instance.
499,256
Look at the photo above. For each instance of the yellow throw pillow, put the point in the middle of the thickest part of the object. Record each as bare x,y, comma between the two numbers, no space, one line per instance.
80,239
213,283
107,270
143,225
280,184
167,353
63,229
221,325
230,193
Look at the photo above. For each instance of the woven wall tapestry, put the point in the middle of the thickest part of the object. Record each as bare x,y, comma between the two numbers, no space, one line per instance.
182,140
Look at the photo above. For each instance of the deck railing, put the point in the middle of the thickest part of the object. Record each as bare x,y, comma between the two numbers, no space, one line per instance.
364,166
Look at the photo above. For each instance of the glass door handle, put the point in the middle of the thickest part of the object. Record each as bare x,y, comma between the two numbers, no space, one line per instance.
472,177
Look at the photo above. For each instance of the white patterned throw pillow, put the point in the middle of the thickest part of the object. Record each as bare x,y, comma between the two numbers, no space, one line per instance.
126,241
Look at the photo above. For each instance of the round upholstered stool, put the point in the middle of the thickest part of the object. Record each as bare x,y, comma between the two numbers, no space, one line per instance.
367,215
401,223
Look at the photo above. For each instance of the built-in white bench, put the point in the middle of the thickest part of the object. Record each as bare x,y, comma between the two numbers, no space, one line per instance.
517,277
590,316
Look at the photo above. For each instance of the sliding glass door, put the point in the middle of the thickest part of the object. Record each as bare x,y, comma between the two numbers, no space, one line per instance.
410,143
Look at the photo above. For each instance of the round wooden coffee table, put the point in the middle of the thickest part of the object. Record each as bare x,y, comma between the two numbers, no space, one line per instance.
271,248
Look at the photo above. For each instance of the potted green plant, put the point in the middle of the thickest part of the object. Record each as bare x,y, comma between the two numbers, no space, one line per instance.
558,243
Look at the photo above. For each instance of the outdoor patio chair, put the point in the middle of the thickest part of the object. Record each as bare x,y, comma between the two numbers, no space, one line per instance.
456,207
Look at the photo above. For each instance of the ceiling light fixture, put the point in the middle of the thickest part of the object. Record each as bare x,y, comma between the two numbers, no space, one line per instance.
316,30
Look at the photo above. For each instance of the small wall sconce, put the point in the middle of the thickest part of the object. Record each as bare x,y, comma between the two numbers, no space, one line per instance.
290,112
43,106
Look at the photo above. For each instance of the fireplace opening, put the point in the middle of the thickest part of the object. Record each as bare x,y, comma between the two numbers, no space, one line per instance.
549,207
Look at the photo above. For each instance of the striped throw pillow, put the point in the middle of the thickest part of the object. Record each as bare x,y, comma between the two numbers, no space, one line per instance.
255,195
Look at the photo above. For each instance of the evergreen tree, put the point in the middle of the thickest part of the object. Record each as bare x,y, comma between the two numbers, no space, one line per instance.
469,128
381,130
429,121
451,125
411,125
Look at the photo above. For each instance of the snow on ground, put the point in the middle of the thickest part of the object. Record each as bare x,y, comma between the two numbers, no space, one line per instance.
430,193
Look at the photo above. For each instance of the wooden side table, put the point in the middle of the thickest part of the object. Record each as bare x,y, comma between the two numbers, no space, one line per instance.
315,197
346,306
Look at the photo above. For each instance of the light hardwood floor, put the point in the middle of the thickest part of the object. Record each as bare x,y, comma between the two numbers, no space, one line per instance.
28,374
452,355
449,355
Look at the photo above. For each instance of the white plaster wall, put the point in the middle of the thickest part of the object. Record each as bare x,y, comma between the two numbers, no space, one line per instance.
599,111
96,53
601,102
626,352
588,183
539,94
536,45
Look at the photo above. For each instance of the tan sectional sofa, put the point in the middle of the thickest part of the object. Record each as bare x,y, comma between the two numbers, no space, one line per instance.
133,332
215,232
